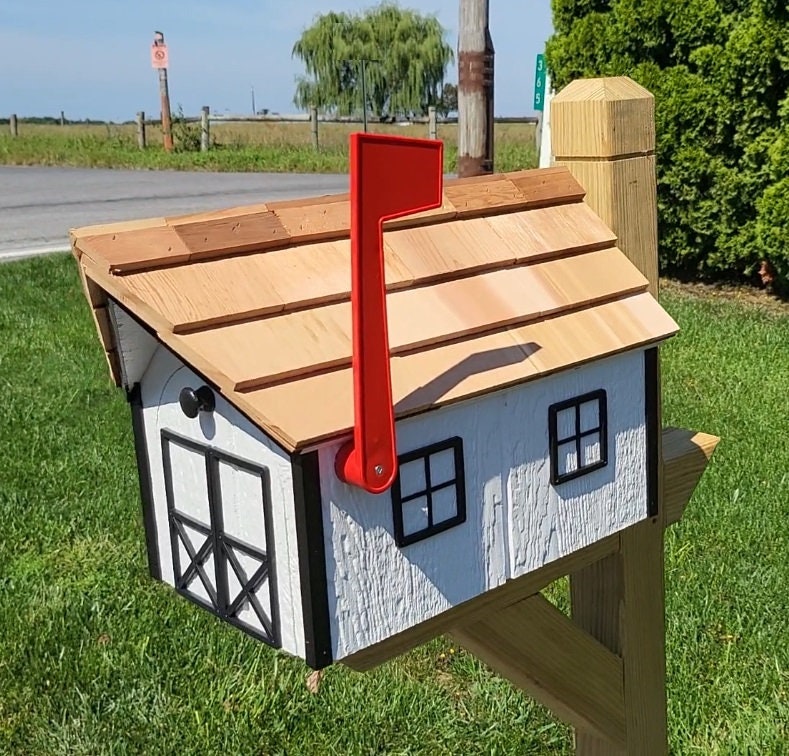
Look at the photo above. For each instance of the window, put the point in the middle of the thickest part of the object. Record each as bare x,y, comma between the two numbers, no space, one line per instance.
578,436
220,533
429,493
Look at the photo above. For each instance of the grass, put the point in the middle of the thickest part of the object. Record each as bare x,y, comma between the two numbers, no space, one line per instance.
276,147
96,658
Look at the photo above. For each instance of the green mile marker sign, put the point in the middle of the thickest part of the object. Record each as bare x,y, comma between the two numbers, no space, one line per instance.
539,83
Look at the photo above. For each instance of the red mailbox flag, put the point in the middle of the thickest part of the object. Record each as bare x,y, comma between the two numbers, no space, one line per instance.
390,177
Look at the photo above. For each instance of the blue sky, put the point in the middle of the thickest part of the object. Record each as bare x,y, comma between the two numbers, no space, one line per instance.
91,58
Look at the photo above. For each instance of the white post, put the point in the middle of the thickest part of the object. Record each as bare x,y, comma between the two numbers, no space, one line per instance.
544,154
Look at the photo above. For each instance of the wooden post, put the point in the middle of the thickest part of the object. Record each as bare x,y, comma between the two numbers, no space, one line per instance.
314,127
141,129
164,96
475,90
603,130
205,134
13,125
431,123
62,118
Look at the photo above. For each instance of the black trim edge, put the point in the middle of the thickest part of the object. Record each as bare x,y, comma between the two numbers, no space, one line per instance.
134,397
652,407
312,559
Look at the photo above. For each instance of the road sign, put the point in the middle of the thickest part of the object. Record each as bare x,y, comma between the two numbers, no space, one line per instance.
159,58
539,83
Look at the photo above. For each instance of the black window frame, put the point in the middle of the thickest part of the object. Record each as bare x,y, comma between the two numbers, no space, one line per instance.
458,482
555,442
221,545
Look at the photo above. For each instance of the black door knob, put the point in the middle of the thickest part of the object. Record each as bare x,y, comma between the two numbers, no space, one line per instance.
195,401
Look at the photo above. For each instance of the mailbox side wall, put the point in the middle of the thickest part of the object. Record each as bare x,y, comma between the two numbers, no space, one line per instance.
225,430
517,520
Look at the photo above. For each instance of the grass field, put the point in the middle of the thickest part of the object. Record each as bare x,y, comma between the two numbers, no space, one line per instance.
260,146
96,658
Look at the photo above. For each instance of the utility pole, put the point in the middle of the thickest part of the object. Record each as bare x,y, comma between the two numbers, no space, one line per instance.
475,89
159,61
364,95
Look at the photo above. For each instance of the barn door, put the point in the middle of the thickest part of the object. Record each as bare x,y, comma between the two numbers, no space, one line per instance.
220,534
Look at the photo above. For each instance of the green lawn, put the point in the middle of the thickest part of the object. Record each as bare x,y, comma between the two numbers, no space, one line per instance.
97,658
276,147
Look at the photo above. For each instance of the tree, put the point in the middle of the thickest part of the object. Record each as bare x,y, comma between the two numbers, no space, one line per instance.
405,54
449,100
719,70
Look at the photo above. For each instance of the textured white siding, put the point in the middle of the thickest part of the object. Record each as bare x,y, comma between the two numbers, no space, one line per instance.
228,431
516,520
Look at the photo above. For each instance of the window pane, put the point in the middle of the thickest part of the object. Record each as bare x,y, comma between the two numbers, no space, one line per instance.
590,450
412,478
567,458
442,467
242,504
414,515
189,481
590,415
565,424
445,505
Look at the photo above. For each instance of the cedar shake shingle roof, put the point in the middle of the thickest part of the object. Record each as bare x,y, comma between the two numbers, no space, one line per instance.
514,277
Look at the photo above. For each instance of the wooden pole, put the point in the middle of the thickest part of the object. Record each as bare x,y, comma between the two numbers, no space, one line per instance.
13,125
431,123
141,129
62,118
205,134
603,130
364,95
475,90
164,96
314,128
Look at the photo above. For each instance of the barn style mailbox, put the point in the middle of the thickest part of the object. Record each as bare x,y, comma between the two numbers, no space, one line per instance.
357,418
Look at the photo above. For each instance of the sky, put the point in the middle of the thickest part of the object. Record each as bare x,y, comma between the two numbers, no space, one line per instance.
91,58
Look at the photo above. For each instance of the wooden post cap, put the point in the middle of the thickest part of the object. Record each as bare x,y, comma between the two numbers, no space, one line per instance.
603,119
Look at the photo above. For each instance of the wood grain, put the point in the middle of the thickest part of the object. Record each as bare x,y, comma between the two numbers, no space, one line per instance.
607,141
686,455
137,249
535,646
602,118
317,339
232,289
218,237
327,219
315,408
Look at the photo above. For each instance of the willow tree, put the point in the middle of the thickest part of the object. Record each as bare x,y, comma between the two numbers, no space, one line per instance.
405,59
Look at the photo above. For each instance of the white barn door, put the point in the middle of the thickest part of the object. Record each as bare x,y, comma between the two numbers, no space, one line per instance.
220,534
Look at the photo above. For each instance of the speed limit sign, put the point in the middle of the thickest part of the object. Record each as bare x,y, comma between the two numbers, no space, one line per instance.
159,56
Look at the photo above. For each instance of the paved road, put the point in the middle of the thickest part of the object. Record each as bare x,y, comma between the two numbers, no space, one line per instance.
38,205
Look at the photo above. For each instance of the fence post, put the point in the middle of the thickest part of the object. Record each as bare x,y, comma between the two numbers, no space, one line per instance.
62,118
431,122
13,125
141,129
205,134
314,127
